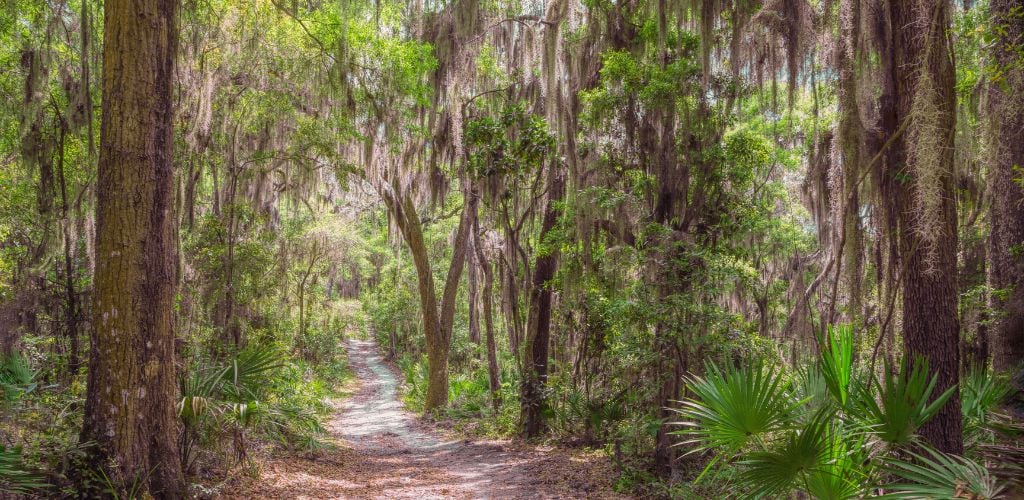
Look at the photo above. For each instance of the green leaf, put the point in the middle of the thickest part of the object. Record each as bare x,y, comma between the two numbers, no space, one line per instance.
837,362
733,406
941,476
903,405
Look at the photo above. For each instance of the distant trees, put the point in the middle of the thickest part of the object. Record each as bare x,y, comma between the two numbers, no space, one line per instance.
130,406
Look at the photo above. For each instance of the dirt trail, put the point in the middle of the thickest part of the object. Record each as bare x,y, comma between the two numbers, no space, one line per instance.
385,452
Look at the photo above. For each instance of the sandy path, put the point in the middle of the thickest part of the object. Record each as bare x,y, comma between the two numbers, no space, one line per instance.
387,453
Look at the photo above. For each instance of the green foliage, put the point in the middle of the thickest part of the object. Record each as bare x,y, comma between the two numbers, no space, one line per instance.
981,393
414,370
938,475
735,406
904,402
837,362
513,144
16,477
257,389
771,437
17,378
801,458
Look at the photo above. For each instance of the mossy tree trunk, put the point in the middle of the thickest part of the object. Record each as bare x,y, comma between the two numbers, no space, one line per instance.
493,373
538,325
922,171
438,316
130,404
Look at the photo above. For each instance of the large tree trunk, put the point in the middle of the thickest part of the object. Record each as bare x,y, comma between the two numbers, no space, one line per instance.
1006,243
926,217
538,324
850,136
130,404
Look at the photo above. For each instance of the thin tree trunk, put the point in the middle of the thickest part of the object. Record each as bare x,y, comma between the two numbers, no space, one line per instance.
493,374
132,388
71,302
232,333
474,292
538,332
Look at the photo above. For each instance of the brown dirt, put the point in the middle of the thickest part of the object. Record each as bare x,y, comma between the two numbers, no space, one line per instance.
385,452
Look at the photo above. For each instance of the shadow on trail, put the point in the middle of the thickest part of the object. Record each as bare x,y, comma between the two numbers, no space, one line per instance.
386,452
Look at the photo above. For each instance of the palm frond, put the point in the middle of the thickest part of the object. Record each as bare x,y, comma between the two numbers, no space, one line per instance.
15,475
779,470
904,402
836,361
731,407
17,378
941,476
245,375
981,393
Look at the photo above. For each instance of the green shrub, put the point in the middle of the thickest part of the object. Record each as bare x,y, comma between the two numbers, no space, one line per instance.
257,391
819,432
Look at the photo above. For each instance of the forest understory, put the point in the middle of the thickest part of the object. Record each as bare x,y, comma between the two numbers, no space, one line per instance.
512,249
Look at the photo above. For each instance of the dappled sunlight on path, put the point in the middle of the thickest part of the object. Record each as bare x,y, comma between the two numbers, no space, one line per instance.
386,452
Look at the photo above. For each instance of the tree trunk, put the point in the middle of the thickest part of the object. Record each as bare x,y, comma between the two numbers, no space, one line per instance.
130,403
474,292
1006,242
850,135
230,330
510,306
538,329
71,302
437,319
926,217
493,375
670,373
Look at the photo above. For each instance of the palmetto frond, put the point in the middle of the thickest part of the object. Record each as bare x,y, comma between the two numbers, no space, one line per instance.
904,402
733,406
836,362
15,475
939,475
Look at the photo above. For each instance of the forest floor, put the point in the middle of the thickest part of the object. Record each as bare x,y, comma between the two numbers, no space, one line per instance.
383,451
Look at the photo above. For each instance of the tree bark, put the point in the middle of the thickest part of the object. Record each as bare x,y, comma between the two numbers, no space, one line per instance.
925,100
130,404
1006,242
70,296
474,292
538,330
493,374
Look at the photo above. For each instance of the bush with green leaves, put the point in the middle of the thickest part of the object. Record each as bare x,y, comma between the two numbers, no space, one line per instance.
257,390
831,429
20,472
